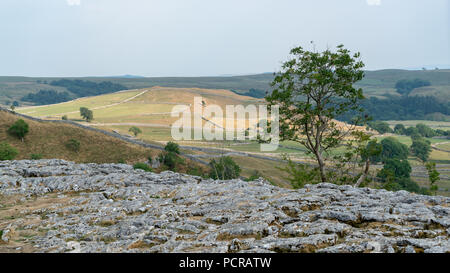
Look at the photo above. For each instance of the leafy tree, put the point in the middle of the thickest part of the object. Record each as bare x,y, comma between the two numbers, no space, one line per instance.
64,117
224,168
19,129
73,145
135,130
392,148
7,152
86,114
421,148
311,91
410,131
380,126
172,147
433,175
170,160
425,130
399,129
397,168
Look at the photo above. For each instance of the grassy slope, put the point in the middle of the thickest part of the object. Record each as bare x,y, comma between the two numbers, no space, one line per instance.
49,140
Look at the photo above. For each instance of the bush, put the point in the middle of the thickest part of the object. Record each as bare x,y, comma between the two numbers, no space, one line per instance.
64,117
36,156
135,130
172,147
73,145
170,160
142,166
7,152
255,175
224,168
19,129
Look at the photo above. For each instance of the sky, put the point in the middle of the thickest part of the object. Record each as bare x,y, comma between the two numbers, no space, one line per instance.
74,38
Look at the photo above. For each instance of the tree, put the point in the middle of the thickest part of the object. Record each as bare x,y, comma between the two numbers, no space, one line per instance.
224,168
86,114
399,129
135,130
311,91
172,147
392,148
433,175
405,87
380,126
425,130
421,148
397,168
19,129
7,152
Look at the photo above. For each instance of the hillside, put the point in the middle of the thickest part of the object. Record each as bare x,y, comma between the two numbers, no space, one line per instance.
376,83
49,140
59,206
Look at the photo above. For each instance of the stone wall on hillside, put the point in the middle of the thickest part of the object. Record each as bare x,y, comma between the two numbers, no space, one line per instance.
71,207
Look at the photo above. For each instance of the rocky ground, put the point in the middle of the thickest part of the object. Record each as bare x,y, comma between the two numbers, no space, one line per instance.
59,206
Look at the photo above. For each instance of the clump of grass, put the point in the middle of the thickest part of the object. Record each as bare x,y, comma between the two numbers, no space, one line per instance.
142,166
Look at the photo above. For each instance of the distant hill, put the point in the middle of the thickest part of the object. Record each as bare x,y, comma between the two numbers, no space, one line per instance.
380,84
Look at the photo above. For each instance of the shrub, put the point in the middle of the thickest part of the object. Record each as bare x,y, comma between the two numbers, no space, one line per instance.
64,117
36,156
254,176
172,147
224,168
142,166
73,145
170,160
19,129
7,152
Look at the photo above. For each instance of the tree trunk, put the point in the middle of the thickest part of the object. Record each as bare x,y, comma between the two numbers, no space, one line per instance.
364,174
321,167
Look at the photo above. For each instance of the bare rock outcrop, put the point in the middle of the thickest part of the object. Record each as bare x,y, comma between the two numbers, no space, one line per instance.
60,206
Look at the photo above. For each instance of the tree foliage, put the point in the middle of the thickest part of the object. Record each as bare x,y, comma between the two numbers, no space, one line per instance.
393,149
224,168
86,114
405,87
421,148
47,97
7,152
135,130
88,88
19,129
311,91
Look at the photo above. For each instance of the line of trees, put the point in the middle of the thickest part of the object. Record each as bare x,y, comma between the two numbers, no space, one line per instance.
88,88
47,97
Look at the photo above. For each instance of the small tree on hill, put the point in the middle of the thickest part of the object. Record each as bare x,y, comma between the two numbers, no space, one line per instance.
135,130
7,152
19,129
86,114
311,91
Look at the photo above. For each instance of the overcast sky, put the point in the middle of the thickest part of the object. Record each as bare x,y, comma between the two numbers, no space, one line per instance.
213,37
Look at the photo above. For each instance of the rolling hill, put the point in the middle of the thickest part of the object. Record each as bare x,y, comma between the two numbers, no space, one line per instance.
375,84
